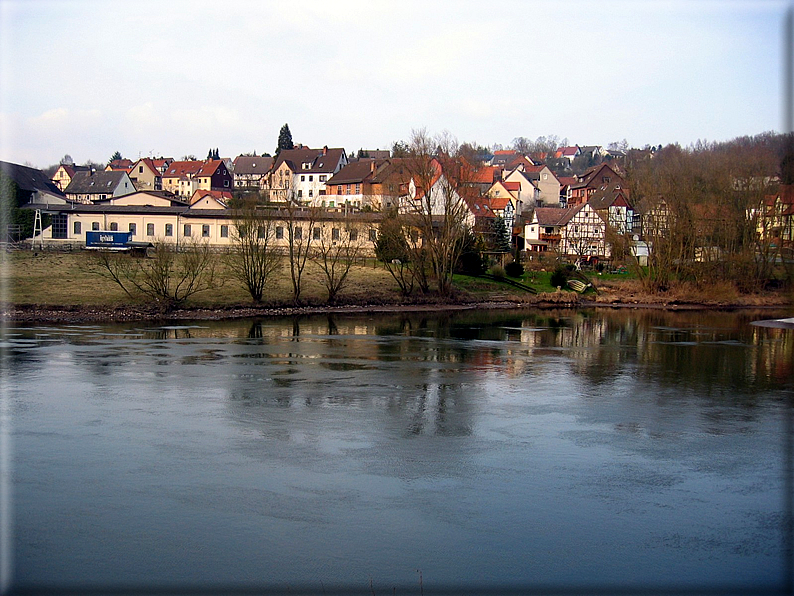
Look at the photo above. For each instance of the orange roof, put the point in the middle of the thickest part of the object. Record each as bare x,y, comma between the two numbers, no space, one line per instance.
180,169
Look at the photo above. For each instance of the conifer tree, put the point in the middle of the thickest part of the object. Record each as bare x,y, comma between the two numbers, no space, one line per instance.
284,139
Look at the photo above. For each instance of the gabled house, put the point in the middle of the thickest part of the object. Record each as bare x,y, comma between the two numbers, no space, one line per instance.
569,153
145,175
179,177
528,194
249,171
214,174
301,174
222,197
598,178
360,184
566,182
544,180
64,174
34,186
123,164
577,232
776,221
88,187
614,207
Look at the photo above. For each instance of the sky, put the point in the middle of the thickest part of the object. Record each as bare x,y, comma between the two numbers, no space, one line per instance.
172,78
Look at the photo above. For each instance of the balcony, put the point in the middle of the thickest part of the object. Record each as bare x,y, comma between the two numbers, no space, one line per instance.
551,237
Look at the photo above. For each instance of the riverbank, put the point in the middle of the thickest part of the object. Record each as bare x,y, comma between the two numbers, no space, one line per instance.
71,314
60,288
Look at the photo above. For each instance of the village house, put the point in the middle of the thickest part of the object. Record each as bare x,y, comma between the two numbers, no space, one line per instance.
575,232
597,178
87,187
145,175
301,174
123,164
776,221
249,171
360,184
64,174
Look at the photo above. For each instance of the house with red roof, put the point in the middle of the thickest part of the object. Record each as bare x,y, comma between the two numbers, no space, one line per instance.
123,164
569,153
64,174
776,223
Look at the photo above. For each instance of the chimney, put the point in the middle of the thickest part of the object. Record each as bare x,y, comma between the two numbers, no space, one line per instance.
372,166
325,150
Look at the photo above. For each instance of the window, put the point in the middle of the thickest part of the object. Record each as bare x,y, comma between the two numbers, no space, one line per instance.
316,233
260,232
205,231
140,169
330,203
300,194
373,235
335,234
77,228
224,231
323,177
339,189
347,190
226,183
186,231
59,226
132,228
353,235
279,232
311,178
310,192
358,189
95,226
169,229
298,233
303,178
114,227
150,229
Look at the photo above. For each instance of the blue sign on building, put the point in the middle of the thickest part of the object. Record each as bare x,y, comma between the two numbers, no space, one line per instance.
108,239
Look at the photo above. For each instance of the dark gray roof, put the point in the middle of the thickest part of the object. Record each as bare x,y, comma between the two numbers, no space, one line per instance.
29,179
95,183
244,164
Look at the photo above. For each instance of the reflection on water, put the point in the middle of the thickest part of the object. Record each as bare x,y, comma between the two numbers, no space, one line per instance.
513,448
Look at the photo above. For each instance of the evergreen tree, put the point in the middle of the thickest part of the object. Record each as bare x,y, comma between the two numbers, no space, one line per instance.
114,157
501,235
284,139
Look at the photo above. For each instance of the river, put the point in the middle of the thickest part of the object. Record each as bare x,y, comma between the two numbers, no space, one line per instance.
579,451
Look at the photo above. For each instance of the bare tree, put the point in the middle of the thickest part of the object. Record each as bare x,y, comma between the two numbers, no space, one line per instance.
254,256
338,246
435,206
300,235
169,276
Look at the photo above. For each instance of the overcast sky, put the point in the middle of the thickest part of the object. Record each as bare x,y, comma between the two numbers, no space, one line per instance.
169,78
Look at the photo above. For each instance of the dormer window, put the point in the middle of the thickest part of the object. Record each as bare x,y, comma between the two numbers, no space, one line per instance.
307,166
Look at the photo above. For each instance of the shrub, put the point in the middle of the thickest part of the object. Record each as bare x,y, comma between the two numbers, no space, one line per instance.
498,271
514,269
561,275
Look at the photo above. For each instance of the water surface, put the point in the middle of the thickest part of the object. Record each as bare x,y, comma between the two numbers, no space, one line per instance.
504,449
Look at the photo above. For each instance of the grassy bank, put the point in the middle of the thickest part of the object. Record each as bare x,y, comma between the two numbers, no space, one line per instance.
64,280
